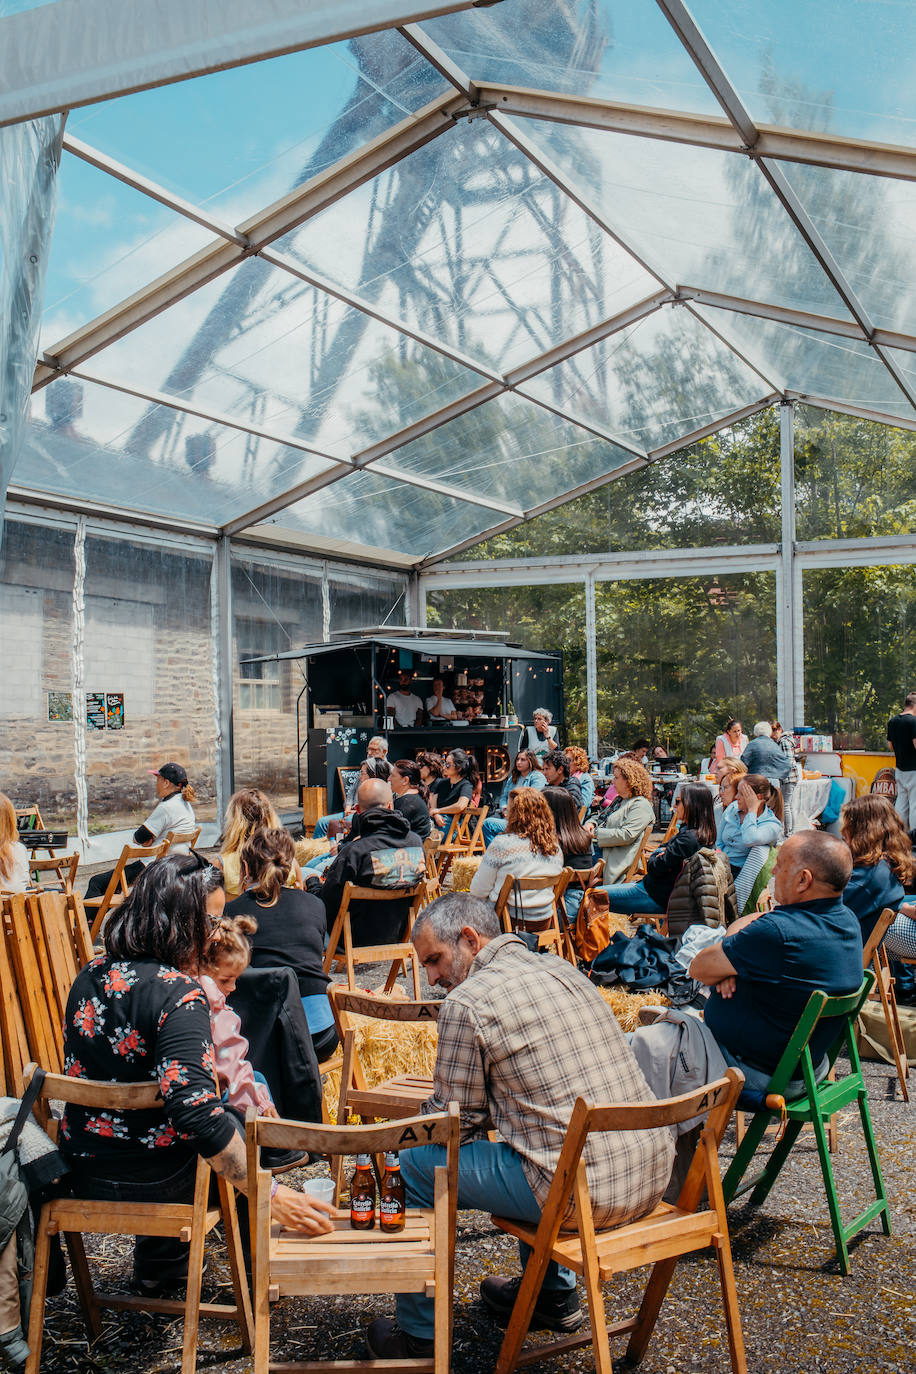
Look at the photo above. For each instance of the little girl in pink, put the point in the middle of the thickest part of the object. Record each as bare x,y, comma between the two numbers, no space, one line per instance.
227,956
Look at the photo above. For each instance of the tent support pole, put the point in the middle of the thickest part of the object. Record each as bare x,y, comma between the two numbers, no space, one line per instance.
789,627
225,760
591,667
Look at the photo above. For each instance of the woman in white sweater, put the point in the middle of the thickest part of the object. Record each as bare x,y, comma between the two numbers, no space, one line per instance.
528,848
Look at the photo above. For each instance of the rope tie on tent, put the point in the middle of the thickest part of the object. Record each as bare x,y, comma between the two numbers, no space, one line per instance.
79,681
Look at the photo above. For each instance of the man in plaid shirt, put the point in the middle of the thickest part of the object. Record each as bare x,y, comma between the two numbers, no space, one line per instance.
521,1036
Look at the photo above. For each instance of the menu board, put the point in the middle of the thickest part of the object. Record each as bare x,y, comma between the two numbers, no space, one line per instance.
95,710
114,709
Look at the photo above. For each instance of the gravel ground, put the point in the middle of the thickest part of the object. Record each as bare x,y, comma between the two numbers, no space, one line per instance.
799,1314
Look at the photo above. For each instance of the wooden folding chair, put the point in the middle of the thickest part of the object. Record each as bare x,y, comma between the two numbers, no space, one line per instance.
32,984
433,886
875,957
57,923
552,930
419,1259
463,838
584,880
118,886
400,952
63,866
193,1221
33,816
402,1095
813,1104
15,1053
659,1239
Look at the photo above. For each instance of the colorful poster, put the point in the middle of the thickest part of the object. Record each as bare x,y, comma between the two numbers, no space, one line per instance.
95,710
60,706
114,705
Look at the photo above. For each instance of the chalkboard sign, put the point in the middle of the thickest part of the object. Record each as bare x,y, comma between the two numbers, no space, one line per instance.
346,777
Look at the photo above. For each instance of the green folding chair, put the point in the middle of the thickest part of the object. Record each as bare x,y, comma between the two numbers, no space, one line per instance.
816,1105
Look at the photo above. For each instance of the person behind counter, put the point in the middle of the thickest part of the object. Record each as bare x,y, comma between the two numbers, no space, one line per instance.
541,737
411,796
404,705
439,707
453,792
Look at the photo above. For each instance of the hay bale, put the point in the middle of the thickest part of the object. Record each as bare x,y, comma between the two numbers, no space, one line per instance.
386,1048
462,871
311,849
625,1005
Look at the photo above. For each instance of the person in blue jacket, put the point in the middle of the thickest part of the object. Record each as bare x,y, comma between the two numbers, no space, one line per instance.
753,818
882,857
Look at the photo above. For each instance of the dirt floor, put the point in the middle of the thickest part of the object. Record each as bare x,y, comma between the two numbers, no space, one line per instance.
798,1313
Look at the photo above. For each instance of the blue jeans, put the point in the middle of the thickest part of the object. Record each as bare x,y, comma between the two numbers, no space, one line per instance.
492,826
631,898
490,1179
321,825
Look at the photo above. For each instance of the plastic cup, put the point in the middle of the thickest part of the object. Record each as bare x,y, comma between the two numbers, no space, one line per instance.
322,1189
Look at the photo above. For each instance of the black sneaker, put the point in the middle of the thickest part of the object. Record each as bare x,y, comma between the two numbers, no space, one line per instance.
553,1311
386,1341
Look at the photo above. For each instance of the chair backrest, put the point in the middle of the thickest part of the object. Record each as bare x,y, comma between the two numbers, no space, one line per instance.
879,930
32,815
118,883
715,1100
188,837
821,1007
638,860
585,878
352,893
93,1092
64,866
439,1128
346,1004
557,882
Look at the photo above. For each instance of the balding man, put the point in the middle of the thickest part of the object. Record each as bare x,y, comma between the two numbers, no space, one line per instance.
377,748
382,851
769,963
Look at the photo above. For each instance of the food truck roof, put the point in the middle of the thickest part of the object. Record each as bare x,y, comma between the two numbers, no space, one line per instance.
431,645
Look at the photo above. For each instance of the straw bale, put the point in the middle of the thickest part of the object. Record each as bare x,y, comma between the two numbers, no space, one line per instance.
462,871
625,1005
311,849
386,1048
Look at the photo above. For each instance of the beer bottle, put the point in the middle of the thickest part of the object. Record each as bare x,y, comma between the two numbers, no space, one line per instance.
392,1205
362,1195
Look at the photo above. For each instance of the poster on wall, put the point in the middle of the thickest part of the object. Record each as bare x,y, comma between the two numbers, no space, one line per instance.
95,710
60,706
114,707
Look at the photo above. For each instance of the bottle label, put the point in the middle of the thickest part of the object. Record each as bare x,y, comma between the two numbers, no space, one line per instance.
391,1207
362,1207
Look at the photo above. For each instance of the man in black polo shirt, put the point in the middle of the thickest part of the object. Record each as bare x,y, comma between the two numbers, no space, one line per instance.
770,962
901,737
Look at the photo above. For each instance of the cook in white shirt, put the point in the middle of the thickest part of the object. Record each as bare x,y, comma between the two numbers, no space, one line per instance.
403,703
439,707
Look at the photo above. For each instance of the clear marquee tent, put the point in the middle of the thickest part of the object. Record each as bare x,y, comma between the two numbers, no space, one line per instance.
310,298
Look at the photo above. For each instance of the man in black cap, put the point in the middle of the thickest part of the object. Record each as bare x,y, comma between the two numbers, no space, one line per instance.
173,812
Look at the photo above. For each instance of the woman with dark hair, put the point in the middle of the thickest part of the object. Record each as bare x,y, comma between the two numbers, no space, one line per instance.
575,842
132,1017
754,817
454,792
882,860
291,928
411,796
430,765
732,742
696,828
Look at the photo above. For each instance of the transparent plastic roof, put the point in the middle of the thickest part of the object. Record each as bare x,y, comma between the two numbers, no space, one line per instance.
395,292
